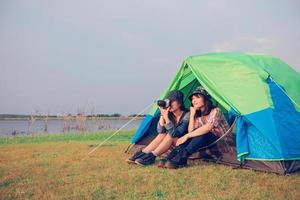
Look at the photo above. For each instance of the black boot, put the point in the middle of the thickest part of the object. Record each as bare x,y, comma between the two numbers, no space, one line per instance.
162,163
179,160
174,152
147,159
137,155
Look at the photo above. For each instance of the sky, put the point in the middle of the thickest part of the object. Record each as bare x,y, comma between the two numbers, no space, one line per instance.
107,56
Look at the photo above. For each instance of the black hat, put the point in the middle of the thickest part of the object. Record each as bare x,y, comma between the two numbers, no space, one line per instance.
200,90
176,95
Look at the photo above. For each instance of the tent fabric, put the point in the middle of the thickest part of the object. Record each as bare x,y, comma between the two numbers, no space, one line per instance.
280,127
263,93
142,129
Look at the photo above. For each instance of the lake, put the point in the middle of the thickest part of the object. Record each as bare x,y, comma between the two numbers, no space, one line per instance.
21,127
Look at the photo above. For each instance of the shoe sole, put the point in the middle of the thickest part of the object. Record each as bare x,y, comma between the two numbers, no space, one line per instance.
130,161
140,164
177,167
161,166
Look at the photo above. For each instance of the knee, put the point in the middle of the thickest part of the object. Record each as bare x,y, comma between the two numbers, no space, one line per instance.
168,137
161,136
194,144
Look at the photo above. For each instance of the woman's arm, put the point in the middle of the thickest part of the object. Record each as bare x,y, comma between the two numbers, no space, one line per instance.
213,120
161,126
165,114
191,124
161,123
200,131
192,119
179,129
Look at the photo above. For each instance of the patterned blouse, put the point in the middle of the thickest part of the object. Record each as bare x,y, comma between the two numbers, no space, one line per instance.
215,118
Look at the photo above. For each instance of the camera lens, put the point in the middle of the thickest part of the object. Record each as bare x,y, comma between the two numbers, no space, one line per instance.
162,103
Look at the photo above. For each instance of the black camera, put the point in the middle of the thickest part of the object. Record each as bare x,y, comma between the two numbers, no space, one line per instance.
163,103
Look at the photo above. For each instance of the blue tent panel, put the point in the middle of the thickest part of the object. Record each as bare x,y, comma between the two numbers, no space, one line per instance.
271,134
142,128
145,126
242,137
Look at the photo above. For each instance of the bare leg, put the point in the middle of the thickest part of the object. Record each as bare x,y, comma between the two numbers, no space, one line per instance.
155,142
164,145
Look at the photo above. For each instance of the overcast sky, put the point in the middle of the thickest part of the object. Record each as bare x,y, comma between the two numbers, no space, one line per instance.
118,56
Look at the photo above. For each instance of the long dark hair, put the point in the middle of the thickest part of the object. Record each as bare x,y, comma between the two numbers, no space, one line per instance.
182,108
208,106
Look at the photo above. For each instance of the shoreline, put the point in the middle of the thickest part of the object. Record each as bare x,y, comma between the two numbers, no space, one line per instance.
73,118
24,134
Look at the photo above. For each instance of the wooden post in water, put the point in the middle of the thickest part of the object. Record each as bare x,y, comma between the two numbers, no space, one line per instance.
46,123
67,122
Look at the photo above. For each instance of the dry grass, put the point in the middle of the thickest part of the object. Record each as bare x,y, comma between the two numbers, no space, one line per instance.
55,170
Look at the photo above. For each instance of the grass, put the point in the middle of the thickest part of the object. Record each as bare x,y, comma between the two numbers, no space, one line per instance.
125,136
51,167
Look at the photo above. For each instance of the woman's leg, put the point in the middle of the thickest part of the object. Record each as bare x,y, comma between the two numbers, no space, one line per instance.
200,141
164,145
154,143
192,145
149,158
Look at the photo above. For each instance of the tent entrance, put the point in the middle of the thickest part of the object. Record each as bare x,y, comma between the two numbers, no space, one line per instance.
188,83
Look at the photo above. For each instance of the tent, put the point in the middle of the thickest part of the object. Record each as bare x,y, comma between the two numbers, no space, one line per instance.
262,94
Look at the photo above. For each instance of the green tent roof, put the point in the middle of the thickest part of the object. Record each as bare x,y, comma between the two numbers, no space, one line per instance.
236,80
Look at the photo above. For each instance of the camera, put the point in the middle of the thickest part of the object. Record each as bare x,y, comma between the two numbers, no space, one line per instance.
163,103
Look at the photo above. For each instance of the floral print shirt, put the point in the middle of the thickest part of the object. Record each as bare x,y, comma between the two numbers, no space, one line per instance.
216,119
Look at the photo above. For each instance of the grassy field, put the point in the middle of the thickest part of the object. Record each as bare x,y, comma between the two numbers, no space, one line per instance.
51,167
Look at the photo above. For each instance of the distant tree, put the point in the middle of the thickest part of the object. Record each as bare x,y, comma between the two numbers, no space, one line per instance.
115,115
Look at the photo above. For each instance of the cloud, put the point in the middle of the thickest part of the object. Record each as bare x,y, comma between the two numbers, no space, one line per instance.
247,44
281,47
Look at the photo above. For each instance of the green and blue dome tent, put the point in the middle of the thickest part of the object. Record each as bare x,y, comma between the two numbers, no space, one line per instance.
260,91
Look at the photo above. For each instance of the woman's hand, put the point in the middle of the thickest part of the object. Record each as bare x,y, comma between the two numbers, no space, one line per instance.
182,140
192,111
164,113
192,119
161,121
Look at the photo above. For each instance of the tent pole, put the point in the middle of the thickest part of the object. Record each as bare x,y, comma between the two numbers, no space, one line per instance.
117,131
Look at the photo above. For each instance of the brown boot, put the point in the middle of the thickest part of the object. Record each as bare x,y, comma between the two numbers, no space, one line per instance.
170,165
162,163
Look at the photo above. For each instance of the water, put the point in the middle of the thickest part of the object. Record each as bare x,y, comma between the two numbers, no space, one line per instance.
21,127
